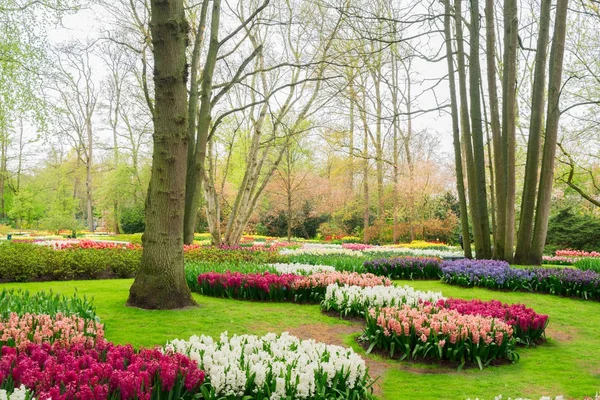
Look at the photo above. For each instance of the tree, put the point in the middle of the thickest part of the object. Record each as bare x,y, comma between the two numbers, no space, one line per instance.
160,283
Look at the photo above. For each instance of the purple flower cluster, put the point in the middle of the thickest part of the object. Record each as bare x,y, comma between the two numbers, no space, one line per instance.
405,267
499,275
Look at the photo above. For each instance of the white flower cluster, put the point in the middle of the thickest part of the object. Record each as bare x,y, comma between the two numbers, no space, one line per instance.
295,366
355,298
20,393
301,269
414,252
319,251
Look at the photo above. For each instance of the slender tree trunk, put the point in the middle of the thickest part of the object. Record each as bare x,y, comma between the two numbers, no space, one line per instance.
509,87
535,135
88,175
490,161
553,114
160,283
498,160
3,171
396,155
484,250
351,94
466,127
197,157
460,180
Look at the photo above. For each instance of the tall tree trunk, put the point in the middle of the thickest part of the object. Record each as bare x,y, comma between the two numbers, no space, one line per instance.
196,156
88,175
3,171
460,180
535,135
553,114
482,243
160,283
498,160
351,94
509,87
465,124
396,150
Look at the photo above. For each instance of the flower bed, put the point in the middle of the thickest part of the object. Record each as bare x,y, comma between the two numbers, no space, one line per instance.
576,253
276,367
301,269
356,300
320,251
499,275
275,287
356,246
414,252
252,286
106,371
429,332
405,267
528,326
21,330
559,260
22,302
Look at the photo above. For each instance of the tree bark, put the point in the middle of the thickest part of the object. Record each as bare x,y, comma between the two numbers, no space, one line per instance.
88,174
535,137
553,114
196,156
160,283
465,124
509,83
482,233
498,182
460,180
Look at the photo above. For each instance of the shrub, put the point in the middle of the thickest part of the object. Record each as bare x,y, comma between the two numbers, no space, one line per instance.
133,220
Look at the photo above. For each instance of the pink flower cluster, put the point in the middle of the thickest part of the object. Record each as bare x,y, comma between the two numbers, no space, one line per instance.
440,325
20,331
324,279
103,372
576,253
265,281
561,260
356,246
524,320
92,244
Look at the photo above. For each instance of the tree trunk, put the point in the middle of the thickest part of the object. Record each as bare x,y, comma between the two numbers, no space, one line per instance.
160,283
482,243
460,180
196,157
88,175
465,124
535,135
553,114
509,83
498,182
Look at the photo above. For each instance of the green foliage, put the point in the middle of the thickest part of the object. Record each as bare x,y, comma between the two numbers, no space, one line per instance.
133,220
22,262
22,302
588,263
341,262
569,230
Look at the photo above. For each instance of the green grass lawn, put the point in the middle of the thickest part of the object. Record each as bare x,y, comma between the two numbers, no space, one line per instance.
568,364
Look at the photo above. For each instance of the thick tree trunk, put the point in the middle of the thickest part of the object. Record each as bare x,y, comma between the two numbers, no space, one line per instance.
498,182
160,283
460,180
535,135
553,114
196,154
509,83
482,243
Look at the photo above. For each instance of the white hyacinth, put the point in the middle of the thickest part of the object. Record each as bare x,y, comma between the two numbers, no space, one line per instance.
346,298
20,393
414,252
318,251
229,362
301,269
